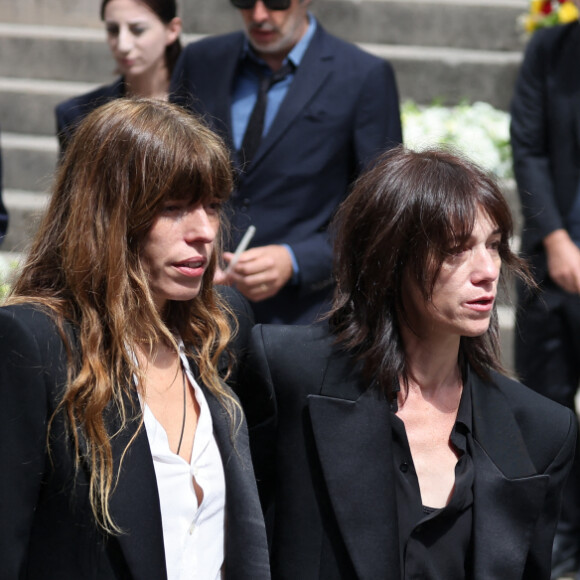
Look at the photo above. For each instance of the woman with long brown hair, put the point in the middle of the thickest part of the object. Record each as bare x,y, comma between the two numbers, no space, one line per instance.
391,444
125,454
143,36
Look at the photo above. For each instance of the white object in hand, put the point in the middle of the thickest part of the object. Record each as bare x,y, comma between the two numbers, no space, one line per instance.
244,243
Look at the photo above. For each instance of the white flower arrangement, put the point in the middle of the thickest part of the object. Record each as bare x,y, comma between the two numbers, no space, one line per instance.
479,131
8,269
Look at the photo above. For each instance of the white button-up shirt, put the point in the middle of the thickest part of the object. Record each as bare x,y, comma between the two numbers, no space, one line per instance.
193,534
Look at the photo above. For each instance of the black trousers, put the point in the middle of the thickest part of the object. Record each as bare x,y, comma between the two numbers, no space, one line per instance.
547,353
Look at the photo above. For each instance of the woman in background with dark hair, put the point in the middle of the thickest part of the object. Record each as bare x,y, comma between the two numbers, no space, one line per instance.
389,443
124,453
143,36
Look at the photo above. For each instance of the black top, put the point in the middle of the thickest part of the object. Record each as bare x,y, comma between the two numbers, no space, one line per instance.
435,543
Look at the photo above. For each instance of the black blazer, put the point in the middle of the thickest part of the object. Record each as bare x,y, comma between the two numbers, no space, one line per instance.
340,111
545,134
322,447
71,112
47,529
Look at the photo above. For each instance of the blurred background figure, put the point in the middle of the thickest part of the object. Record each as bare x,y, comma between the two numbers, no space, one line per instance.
128,454
545,135
3,212
302,112
143,36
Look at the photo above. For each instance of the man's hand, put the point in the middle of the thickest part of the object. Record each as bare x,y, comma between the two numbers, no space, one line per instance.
260,272
563,260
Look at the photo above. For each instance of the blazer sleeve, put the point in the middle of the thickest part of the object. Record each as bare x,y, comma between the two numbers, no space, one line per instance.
540,554
255,390
241,319
529,138
23,429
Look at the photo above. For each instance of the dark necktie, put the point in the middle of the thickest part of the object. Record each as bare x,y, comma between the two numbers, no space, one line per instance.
255,128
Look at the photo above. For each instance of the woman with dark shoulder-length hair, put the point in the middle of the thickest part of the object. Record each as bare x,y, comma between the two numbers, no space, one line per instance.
125,455
143,36
390,444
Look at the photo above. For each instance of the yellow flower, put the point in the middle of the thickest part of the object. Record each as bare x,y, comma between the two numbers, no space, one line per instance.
529,23
567,13
536,6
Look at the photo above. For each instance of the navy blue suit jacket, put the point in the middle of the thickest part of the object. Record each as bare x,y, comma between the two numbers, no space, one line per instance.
340,111
71,112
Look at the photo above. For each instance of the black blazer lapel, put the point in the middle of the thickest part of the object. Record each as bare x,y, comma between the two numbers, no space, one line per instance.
135,504
310,76
508,492
246,554
353,439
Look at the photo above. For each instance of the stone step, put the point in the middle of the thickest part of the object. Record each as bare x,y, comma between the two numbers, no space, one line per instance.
25,209
58,53
474,24
28,104
423,74
54,53
477,24
28,161
481,24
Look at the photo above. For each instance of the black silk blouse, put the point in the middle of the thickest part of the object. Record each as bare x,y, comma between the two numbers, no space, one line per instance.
435,543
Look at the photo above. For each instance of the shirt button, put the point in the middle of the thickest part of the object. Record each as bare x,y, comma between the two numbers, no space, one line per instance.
404,467
191,528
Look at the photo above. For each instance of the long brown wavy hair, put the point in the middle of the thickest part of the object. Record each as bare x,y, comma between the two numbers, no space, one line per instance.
403,217
85,266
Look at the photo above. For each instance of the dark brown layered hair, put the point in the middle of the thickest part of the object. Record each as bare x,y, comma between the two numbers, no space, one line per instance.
166,11
85,265
401,221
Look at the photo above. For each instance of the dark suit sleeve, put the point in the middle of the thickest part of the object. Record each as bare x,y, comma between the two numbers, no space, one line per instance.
540,554
377,119
529,138
63,126
23,425
233,358
256,393
181,90
177,90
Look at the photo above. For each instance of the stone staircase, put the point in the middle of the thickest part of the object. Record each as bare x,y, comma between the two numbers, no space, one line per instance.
54,49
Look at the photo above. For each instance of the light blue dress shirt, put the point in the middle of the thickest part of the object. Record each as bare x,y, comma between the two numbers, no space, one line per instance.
245,95
247,84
